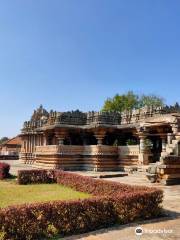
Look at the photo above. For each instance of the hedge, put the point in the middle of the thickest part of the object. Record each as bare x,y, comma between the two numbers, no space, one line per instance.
35,176
40,220
95,186
4,170
111,203
144,202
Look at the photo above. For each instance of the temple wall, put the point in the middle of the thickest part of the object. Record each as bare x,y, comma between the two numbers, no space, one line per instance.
68,157
128,155
89,157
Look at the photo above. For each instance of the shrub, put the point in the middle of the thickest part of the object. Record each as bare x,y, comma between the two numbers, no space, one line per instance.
111,203
35,176
129,202
4,170
95,186
36,221
137,205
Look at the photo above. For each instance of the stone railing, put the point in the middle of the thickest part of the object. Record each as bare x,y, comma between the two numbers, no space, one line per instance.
48,149
100,150
103,118
76,150
71,118
128,150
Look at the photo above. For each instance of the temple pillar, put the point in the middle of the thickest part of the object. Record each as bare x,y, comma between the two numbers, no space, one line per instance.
142,146
169,138
176,130
45,137
60,135
144,151
100,134
27,149
60,140
30,143
99,139
84,141
163,139
25,143
33,142
39,140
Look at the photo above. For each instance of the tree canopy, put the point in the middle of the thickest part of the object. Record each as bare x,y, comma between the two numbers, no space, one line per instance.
151,100
130,101
3,140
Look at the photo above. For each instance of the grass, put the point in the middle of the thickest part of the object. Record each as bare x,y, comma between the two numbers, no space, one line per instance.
12,194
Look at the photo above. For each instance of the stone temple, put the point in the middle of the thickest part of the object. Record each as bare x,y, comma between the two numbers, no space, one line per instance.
104,141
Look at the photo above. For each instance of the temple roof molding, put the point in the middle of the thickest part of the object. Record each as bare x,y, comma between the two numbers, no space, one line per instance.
41,118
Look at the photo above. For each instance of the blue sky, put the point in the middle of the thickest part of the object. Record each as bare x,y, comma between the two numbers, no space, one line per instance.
73,54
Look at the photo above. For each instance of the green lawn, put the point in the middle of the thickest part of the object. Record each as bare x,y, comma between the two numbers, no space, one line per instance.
12,193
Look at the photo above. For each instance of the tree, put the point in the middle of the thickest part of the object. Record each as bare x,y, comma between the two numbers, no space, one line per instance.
120,103
151,100
3,140
130,101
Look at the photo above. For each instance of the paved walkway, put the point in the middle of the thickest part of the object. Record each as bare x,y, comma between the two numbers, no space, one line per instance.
17,165
127,232
152,229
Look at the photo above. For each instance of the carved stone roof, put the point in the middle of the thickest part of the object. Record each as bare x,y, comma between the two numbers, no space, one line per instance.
41,119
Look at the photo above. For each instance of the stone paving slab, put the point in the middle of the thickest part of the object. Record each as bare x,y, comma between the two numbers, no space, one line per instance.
127,232
17,165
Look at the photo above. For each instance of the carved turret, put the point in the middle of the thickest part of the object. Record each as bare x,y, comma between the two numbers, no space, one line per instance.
39,114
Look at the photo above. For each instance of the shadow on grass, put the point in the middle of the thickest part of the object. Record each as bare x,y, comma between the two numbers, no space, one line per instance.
11,178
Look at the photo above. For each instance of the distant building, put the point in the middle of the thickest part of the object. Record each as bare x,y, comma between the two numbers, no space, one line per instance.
11,148
104,141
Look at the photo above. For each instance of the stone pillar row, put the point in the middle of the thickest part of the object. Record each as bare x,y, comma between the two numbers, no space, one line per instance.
62,134
30,141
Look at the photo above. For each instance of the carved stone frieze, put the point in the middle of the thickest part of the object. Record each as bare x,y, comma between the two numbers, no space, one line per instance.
42,119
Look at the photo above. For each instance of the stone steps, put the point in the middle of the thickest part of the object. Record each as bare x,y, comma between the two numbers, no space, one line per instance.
169,170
